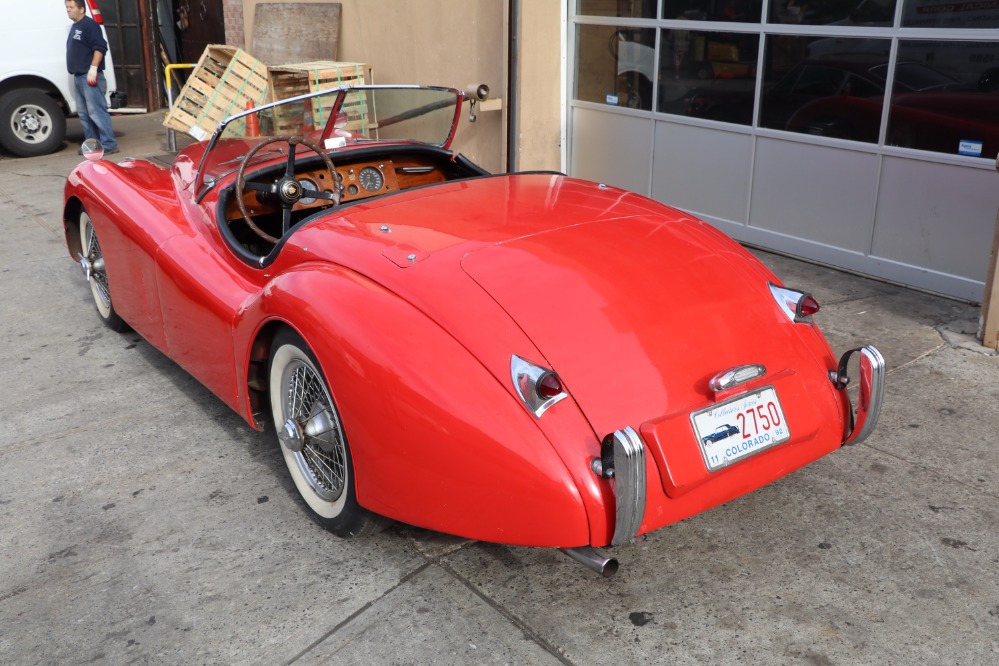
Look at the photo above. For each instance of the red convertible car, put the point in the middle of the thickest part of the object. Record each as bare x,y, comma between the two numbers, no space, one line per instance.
522,358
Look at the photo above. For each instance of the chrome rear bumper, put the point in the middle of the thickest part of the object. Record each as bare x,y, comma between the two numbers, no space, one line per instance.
870,392
623,457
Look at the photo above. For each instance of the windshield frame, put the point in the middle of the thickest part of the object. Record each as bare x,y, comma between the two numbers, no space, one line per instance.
203,185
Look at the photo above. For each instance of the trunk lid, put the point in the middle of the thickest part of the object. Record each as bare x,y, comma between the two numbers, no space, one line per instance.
637,311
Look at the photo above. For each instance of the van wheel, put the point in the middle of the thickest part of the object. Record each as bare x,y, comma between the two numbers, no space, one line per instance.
31,123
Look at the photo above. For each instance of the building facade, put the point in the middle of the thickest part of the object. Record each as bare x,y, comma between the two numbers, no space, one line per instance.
860,134
857,133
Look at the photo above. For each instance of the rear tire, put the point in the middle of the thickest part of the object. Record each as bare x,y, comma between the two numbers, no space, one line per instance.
313,440
31,123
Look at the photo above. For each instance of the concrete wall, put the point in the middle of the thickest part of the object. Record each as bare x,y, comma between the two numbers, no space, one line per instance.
542,87
461,43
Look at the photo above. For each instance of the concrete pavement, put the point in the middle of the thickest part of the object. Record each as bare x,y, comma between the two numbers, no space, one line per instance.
141,521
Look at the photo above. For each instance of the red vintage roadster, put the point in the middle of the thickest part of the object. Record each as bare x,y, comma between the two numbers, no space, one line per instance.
523,358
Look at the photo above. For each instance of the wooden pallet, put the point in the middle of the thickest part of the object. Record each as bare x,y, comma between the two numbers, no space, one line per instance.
288,81
224,81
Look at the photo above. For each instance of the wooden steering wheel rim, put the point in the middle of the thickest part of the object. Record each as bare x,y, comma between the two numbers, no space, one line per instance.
292,141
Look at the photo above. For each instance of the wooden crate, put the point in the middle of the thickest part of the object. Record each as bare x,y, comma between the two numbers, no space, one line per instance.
288,81
224,81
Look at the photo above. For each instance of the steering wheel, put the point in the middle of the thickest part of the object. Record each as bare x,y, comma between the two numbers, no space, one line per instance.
287,189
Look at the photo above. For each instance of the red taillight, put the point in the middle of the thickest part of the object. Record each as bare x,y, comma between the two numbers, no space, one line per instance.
96,11
549,385
538,387
807,306
797,305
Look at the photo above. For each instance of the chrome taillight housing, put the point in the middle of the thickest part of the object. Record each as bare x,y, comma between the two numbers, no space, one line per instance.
539,388
799,306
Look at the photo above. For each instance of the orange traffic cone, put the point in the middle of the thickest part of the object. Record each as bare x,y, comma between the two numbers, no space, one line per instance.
252,121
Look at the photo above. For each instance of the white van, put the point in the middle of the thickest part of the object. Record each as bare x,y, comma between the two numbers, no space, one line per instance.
36,91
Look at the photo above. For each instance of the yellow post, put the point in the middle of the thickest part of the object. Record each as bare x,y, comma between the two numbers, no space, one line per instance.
171,137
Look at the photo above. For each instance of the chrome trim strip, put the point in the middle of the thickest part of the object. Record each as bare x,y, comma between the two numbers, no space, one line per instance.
870,392
629,484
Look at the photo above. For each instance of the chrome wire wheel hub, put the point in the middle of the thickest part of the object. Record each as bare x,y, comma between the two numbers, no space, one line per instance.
85,267
312,431
92,265
290,436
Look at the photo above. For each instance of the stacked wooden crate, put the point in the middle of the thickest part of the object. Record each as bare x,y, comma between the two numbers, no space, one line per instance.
288,81
225,80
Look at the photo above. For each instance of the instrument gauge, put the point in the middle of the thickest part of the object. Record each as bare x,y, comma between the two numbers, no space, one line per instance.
371,179
307,187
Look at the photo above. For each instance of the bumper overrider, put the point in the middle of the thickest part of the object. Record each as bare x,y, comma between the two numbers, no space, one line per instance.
623,458
870,393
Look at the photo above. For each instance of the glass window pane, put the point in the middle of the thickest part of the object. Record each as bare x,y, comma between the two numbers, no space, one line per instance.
132,43
619,8
826,86
109,10
833,12
743,11
946,97
130,12
937,14
708,74
615,65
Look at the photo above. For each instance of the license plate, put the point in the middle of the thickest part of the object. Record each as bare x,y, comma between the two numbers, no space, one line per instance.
740,427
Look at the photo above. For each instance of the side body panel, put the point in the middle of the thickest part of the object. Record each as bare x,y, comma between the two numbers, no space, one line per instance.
437,441
171,277
134,210
199,295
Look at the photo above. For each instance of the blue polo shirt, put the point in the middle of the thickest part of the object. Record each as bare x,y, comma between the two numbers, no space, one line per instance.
85,37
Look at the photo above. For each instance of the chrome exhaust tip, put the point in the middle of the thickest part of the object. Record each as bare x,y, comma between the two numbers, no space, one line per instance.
591,559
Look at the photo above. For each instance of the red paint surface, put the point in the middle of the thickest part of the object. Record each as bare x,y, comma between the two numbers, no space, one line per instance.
635,305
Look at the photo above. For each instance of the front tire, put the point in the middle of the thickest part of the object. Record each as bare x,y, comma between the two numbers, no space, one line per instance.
313,441
92,262
31,123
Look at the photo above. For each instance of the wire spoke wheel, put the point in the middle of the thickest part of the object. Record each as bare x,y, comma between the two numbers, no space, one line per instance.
322,458
92,262
98,276
313,441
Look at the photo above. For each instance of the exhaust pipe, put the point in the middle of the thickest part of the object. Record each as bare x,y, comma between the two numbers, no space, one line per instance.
591,559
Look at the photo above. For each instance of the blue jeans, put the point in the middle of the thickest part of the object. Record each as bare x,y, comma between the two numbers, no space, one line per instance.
92,105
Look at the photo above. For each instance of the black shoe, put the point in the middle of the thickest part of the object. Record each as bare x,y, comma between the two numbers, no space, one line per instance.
111,151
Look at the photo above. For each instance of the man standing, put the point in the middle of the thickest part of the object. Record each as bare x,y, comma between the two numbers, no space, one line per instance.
85,49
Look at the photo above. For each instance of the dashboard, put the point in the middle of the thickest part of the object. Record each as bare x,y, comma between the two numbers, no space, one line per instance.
356,180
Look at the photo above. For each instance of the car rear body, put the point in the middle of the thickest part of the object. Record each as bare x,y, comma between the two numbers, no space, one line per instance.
524,358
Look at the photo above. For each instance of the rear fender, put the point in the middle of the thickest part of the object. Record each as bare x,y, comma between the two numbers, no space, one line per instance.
437,441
